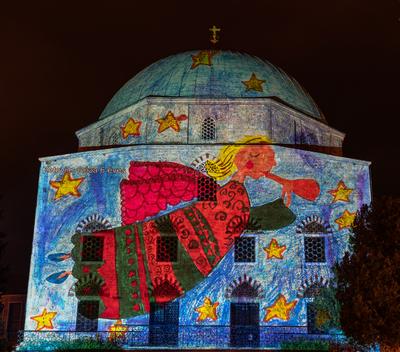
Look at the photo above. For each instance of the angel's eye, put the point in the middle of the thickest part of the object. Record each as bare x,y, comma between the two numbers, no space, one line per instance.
254,155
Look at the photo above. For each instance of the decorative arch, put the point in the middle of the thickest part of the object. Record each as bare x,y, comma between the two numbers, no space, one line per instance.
165,289
311,287
200,162
93,223
244,289
91,284
313,225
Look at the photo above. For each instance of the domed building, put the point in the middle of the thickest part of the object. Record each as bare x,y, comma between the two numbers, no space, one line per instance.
204,209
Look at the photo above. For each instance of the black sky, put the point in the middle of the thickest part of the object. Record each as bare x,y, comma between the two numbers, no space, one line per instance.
61,62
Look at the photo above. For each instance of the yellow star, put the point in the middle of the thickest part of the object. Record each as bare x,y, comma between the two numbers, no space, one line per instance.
280,309
254,83
44,320
274,250
341,193
117,331
67,185
346,219
131,128
203,57
170,121
207,310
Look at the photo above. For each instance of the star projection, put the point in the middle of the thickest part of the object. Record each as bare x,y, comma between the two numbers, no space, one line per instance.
131,128
208,310
203,57
274,250
254,83
341,193
170,121
67,186
346,219
44,320
280,309
117,331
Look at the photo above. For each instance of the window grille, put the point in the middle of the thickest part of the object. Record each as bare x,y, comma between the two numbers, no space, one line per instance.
208,129
164,324
94,226
167,249
87,316
245,249
314,249
245,314
207,189
92,249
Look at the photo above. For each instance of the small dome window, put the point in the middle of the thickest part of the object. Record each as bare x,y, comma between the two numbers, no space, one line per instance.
208,129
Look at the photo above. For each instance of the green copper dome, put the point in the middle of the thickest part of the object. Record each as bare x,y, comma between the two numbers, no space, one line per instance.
207,74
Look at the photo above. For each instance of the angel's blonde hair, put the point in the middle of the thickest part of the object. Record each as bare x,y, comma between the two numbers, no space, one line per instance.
223,166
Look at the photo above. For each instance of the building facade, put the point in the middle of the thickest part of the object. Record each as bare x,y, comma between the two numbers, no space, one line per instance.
205,208
12,314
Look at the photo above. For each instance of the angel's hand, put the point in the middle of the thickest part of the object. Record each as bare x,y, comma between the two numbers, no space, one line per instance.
287,190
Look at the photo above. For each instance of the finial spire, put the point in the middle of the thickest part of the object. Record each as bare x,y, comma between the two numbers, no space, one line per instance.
214,30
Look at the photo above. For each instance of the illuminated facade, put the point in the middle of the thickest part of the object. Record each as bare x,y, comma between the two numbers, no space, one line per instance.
205,208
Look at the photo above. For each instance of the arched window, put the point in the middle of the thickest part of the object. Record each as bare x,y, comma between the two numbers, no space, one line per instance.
88,286
164,313
92,251
310,289
314,230
244,294
208,129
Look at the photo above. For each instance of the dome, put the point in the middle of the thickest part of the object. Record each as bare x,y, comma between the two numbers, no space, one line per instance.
217,74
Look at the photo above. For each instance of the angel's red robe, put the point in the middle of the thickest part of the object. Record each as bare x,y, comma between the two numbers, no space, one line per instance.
131,273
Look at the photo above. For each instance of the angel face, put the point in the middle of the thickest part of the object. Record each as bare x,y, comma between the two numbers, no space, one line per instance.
255,161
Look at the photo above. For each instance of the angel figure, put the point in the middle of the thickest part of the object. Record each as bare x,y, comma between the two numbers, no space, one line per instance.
177,225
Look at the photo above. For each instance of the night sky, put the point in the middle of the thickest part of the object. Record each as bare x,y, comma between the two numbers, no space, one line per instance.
61,62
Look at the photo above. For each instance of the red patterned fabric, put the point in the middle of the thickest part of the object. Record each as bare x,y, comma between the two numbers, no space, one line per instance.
228,216
109,294
144,290
152,186
212,225
157,271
